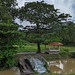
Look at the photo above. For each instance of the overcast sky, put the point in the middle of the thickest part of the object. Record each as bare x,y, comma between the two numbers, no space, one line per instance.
65,6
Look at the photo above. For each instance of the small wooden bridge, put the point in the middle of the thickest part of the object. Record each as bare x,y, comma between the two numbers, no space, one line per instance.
32,63
25,68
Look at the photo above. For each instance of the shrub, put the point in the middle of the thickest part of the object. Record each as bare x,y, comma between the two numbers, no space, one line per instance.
72,55
7,58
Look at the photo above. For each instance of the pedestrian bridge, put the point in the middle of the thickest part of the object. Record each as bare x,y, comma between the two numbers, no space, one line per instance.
33,63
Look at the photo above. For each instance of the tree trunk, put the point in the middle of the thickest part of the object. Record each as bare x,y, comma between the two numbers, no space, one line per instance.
38,42
45,46
38,45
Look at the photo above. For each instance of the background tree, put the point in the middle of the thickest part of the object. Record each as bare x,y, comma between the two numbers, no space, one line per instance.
46,18
8,11
71,32
68,31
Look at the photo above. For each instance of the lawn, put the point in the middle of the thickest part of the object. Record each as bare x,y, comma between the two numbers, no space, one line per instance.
32,47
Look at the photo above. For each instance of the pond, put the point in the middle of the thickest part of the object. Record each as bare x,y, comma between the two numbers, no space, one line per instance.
65,66
12,71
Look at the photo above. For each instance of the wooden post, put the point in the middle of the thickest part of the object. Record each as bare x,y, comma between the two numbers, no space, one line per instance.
54,46
59,47
49,47
45,46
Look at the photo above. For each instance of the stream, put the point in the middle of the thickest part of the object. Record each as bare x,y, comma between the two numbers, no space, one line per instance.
12,71
64,66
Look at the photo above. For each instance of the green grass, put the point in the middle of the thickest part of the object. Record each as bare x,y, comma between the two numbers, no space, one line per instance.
70,74
71,48
32,47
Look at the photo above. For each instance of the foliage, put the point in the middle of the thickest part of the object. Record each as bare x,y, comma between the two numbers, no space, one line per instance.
68,31
46,66
70,74
7,58
53,38
46,19
61,55
72,55
66,50
7,10
10,36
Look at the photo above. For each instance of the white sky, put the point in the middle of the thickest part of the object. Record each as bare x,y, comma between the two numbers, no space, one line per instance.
65,6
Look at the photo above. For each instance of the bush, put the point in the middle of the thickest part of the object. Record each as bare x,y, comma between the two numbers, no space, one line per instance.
7,59
72,55
66,50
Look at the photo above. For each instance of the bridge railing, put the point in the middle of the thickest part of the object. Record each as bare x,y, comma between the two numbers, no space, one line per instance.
40,58
37,56
30,58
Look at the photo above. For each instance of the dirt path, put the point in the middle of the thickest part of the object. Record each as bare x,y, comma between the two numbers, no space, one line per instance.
27,53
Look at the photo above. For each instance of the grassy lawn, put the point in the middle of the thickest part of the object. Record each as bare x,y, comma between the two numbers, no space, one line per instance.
32,47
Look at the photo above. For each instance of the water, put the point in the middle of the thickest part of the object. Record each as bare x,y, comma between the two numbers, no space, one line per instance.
65,66
12,71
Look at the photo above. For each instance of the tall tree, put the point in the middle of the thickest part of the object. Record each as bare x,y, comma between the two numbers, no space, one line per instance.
45,17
